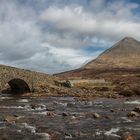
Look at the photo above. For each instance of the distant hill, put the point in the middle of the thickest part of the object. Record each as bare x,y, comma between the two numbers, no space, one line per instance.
124,54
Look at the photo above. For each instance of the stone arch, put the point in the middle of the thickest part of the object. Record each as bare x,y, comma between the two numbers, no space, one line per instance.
18,85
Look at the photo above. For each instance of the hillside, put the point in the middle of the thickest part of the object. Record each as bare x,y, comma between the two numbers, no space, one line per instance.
118,66
124,54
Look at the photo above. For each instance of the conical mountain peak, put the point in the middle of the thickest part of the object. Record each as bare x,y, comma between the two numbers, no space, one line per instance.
124,54
127,38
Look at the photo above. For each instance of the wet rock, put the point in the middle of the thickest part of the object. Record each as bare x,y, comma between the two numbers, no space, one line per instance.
11,118
137,109
113,110
74,120
68,136
132,114
33,106
108,117
112,134
50,113
23,105
96,115
50,108
70,105
77,134
89,103
54,135
64,114
93,115
127,136
28,128
44,136
36,106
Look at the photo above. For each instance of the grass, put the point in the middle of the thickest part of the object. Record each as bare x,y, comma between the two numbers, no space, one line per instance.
90,85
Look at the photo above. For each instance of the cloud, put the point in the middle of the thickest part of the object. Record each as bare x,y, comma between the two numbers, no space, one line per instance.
117,18
55,59
57,35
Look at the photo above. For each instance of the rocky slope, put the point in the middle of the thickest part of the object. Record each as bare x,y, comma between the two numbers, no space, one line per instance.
124,54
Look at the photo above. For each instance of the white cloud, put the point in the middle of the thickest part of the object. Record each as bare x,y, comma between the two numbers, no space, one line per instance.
54,59
109,24
73,58
50,36
70,18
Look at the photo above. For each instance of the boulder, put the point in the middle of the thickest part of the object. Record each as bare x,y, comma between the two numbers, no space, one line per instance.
36,106
96,115
137,109
113,110
127,136
64,114
92,115
67,84
50,108
11,118
132,114
50,113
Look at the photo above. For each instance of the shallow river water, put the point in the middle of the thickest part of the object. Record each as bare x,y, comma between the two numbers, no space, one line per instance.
56,118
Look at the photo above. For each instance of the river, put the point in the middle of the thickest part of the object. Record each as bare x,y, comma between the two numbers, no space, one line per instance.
56,118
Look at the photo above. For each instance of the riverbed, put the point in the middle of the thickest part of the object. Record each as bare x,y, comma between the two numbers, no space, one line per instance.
58,118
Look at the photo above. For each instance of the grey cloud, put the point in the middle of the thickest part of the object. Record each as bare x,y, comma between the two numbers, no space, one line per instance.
49,35
121,23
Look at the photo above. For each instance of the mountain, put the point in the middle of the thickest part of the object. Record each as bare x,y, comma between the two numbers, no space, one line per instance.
118,66
124,54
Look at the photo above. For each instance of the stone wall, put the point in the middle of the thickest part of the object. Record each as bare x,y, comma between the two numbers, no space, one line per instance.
33,79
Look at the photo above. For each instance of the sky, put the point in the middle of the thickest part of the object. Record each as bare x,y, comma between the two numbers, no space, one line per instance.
53,36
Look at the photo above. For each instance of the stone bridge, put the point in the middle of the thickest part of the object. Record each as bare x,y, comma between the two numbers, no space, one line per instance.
22,80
